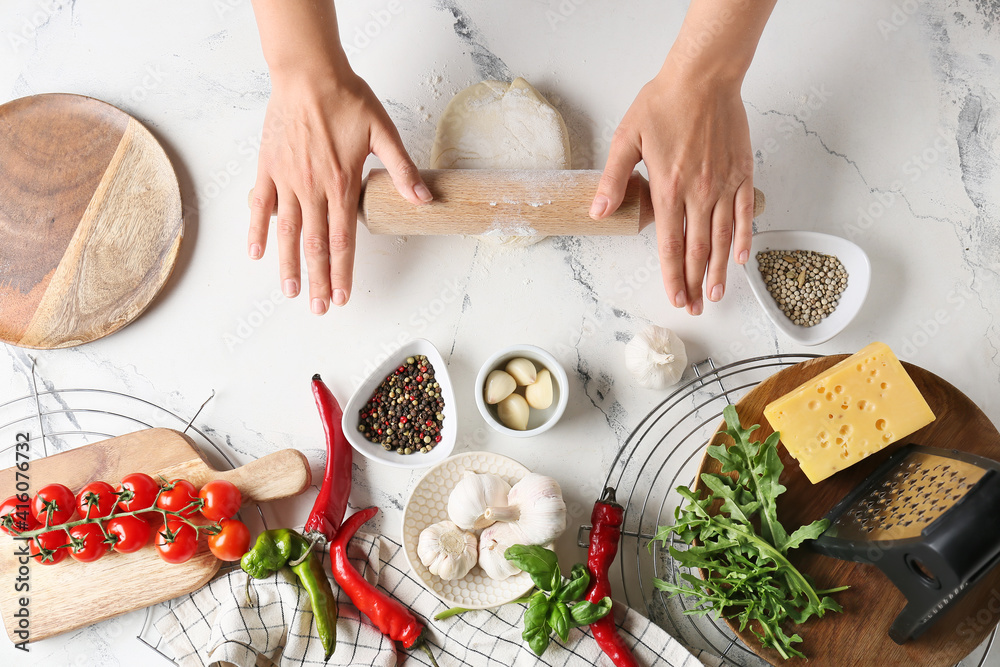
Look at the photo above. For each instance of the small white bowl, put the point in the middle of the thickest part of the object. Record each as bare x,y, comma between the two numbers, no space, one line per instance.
855,261
539,421
449,429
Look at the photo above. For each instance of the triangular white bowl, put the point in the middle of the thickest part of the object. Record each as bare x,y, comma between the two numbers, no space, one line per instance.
449,430
859,275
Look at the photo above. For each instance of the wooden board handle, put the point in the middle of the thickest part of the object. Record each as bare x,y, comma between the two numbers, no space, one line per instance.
530,202
283,474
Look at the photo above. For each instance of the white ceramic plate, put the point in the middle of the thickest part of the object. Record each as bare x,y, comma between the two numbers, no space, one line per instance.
428,504
449,430
854,259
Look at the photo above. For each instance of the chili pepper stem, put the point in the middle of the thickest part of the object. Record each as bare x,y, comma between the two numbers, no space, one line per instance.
430,654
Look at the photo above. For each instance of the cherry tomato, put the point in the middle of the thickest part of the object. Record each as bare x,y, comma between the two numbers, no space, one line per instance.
54,501
21,519
177,542
93,546
178,494
222,500
52,540
231,542
98,497
141,492
132,533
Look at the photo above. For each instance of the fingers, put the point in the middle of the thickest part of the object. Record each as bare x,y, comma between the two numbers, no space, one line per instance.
388,147
743,236
343,227
722,238
316,248
622,158
697,247
288,227
264,196
669,215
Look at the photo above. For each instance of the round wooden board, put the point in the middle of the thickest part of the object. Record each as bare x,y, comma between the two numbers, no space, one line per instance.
859,635
90,220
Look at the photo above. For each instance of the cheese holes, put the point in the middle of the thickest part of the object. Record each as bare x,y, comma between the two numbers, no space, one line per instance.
838,389
862,404
814,405
880,425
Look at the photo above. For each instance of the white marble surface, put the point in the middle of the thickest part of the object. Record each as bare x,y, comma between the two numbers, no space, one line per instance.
877,121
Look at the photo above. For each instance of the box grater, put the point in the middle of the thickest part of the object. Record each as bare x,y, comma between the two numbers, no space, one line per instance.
930,520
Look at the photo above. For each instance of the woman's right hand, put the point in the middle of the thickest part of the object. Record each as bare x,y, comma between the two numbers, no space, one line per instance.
321,124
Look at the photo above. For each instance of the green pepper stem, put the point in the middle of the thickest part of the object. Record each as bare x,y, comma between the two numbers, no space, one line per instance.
455,611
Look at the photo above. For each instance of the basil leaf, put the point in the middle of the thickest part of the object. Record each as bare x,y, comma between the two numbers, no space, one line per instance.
574,589
537,612
537,638
559,620
540,563
585,613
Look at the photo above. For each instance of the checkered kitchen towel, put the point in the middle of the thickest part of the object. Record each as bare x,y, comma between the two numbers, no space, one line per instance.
213,626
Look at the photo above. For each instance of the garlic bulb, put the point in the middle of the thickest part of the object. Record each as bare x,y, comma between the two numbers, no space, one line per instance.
447,551
535,510
656,357
472,496
492,544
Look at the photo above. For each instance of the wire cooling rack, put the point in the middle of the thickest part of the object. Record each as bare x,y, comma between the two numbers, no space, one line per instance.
58,420
663,452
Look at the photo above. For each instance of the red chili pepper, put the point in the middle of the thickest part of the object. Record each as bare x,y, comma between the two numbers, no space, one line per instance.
388,615
331,503
606,521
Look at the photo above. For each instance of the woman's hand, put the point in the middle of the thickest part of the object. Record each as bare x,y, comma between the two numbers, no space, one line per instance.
317,135
695,142
322,122
690,128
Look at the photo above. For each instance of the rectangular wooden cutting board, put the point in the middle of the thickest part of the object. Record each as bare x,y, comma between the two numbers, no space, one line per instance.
69,594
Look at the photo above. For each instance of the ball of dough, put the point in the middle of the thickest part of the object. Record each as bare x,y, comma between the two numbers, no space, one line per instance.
493,125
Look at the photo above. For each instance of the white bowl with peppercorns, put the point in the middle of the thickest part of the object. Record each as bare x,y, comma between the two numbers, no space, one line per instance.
403,414
800,287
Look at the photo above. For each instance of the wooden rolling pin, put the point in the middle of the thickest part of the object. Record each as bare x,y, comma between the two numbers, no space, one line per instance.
530,202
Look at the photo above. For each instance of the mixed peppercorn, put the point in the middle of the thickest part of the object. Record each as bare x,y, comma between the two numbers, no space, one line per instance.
406,411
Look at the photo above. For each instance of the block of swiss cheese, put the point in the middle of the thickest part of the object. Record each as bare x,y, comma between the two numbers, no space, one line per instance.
861,405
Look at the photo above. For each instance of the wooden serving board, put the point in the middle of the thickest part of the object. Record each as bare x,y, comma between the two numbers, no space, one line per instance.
69,594
90,220
859,635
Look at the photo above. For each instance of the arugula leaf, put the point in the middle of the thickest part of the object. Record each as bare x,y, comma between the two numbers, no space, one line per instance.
750,579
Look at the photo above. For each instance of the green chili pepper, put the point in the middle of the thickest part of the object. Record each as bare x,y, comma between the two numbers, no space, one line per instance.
276,549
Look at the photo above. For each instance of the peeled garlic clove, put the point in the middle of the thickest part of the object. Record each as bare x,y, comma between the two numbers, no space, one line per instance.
513,412
522,370
499,385
539,393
